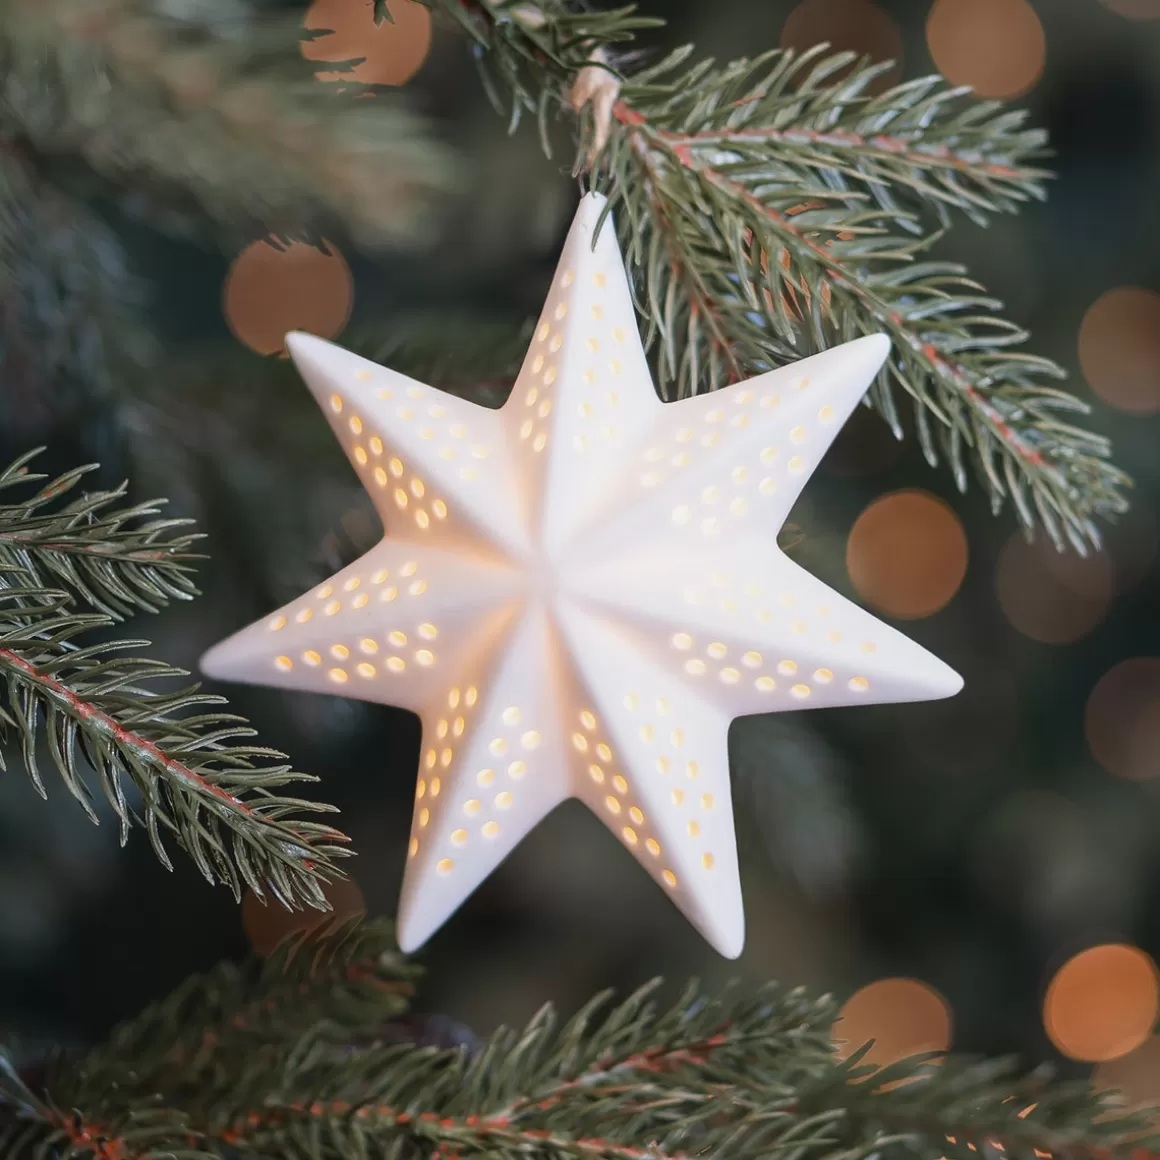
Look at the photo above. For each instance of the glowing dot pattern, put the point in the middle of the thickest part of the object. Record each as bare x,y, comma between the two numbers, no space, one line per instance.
614,794
578,591
584,391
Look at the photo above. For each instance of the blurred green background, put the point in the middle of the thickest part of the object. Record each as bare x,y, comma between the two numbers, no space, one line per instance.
974,845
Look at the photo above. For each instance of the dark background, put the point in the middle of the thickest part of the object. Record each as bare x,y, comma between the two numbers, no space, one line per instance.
974,845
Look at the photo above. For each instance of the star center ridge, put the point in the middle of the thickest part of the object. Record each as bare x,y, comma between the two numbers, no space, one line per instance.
577,593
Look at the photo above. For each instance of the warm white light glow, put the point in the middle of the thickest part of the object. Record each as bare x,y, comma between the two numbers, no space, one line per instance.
585,613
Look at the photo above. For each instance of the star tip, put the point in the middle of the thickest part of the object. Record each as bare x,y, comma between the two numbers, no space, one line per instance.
725,932
730,944
952,684
298,346
300,343
407,944
877,346
297,338
409,935
941,682
213,663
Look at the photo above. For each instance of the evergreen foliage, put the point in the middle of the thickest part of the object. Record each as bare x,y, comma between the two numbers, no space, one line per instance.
768,208
774,207
165,755
300,1059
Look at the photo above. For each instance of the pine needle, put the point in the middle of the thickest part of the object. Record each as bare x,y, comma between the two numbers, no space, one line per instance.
115,559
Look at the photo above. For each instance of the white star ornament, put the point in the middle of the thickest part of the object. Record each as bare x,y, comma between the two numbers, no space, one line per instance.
578,592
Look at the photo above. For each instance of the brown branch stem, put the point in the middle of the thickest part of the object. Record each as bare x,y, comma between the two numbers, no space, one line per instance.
880,145
96,1140
449,1133
500,1126
28,540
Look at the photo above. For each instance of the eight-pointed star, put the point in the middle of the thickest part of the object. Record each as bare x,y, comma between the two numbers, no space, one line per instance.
578,592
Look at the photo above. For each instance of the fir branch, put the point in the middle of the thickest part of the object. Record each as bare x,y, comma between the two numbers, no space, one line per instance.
768,278
198,776
921,142
770,210
780,121
34,1125
115,559
747,1078
962,1108
136,1134
611,1083
785,261
744,1088
918,144
212,116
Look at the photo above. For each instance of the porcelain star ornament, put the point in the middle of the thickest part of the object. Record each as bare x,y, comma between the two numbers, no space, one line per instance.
578,592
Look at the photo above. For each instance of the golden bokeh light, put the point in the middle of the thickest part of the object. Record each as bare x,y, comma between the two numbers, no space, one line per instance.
903,1016
1135,1075
272,289
907,554
995,46
1122,719
1052,597
270,924
859,26
390,53
1119,349
1134,9
1102,1003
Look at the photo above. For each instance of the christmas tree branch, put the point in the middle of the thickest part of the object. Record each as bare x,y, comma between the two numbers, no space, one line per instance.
134,1135
211,115
115,559
724,1075
964,1108
584,1089
130,721
774,207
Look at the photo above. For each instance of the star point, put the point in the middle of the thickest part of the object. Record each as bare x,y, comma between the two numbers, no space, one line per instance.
579,591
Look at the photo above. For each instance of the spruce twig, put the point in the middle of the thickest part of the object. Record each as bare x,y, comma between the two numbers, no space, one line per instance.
191,764
115,559
165,754
774,207
745,1077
